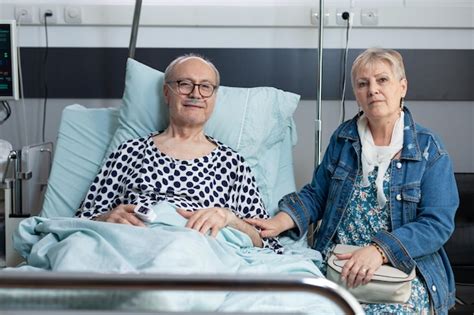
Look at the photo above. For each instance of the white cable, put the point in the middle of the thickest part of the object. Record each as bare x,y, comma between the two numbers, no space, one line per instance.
20,76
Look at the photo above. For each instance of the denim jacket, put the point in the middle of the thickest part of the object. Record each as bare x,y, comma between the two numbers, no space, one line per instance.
423,201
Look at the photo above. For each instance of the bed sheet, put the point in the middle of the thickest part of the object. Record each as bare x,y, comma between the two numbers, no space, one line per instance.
165,246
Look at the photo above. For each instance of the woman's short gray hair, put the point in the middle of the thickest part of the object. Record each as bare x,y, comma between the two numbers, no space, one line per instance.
169,70
372,55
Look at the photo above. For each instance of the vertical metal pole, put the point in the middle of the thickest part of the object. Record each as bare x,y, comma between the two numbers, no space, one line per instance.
317,148
16,189
135,25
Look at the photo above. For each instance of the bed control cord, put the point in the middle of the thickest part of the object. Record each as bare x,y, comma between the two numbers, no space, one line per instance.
20,77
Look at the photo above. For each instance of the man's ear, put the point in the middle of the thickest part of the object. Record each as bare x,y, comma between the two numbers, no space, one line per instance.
166,93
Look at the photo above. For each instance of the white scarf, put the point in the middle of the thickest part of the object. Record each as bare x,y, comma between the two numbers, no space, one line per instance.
380,156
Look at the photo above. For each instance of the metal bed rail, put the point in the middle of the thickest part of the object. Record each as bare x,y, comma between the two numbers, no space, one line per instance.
148,281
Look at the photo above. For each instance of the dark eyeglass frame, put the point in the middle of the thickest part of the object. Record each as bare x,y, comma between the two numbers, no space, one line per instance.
178,83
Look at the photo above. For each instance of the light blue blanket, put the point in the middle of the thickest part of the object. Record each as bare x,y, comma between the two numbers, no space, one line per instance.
165,246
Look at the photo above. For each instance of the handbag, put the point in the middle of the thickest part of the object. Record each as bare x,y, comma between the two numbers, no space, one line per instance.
388,285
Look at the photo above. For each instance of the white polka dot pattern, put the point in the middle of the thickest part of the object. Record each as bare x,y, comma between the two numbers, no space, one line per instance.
137,172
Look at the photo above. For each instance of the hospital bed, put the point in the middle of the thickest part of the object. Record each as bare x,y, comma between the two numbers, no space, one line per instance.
257,122
243,117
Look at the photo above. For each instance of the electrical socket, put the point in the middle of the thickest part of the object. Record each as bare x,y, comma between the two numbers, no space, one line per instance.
315,17
73,15
369,17
53,19
24,14
339,19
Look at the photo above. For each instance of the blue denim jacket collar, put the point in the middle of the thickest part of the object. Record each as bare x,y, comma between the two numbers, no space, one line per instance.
411,148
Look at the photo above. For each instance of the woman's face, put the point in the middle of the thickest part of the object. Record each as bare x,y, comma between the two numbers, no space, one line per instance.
191,110
378,91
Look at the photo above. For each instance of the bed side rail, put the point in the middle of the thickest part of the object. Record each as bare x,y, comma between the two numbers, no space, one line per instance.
100,281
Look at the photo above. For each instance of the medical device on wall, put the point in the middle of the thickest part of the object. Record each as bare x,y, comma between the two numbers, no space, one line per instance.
8,61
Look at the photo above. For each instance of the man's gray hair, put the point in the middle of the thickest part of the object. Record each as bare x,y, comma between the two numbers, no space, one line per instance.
372,55
169,70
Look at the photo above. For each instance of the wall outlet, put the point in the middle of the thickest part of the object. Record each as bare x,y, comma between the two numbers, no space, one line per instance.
339,19
315,17
369,17
24,14
73,15
53,19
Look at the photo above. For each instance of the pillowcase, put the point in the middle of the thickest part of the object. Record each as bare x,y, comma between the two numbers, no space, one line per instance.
249,120
83,137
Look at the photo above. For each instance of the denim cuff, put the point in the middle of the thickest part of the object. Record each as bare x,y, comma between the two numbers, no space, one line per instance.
395,251
298,231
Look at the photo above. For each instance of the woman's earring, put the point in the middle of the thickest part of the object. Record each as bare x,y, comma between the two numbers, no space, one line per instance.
402,103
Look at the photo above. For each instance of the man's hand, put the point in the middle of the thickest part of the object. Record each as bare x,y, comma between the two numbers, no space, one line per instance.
274,226
122,214
360,266
203,220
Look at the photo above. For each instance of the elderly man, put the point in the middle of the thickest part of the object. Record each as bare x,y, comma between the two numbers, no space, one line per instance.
209,183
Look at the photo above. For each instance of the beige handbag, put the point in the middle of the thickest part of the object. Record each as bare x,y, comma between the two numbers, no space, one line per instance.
388,285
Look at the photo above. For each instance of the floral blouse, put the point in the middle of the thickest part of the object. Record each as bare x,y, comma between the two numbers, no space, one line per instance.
363,218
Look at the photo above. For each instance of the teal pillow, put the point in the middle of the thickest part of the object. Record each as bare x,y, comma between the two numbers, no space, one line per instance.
83,137
253,121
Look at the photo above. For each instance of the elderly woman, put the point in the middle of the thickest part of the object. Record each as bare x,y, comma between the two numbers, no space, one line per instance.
209,183
385,184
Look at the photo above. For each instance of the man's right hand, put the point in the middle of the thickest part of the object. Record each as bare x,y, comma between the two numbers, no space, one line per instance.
122,214
274,226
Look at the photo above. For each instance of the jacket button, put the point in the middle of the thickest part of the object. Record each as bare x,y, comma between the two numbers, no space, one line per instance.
399,165
433,288
398,197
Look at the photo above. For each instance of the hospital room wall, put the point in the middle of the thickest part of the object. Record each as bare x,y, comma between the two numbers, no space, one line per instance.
451,118
453,121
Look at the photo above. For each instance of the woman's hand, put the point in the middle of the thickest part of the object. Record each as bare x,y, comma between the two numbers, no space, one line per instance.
360,266
203,220
274,226
121,214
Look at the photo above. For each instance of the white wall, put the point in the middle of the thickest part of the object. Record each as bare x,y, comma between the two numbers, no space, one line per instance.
410,24
250,13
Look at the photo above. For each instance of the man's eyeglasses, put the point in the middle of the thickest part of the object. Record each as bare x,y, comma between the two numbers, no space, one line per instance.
186,87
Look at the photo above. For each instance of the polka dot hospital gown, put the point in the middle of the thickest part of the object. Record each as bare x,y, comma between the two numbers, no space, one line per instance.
138,173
